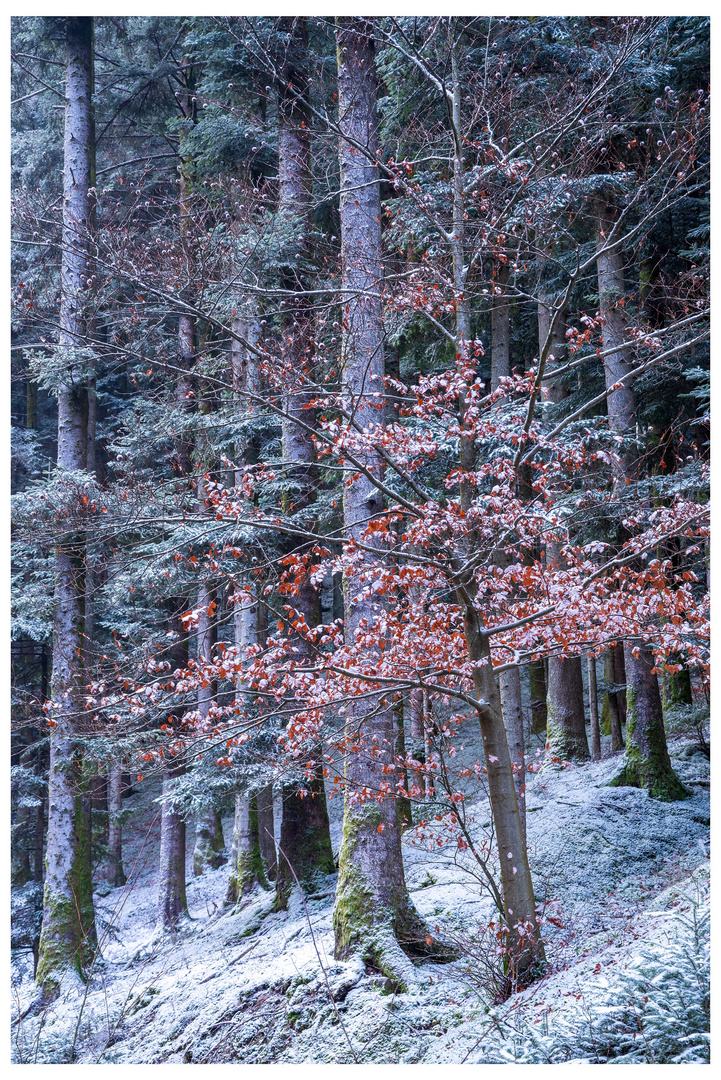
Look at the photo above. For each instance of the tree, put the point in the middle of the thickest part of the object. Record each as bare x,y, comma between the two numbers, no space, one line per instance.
372,908
67,937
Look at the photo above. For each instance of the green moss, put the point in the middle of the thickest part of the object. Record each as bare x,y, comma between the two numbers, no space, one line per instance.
676,689
648,767
67,937
561,743
605,720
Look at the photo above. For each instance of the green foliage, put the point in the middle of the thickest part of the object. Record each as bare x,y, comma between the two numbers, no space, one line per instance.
653,1011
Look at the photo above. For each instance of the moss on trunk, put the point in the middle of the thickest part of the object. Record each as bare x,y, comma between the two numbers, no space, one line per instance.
646,763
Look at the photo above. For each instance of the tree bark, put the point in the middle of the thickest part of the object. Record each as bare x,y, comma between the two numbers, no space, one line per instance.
537,690
246,861
500,330
552,389
172,901
67,937
266,831
115,872
373,911
403,803
611,702
566,721
566,726
509,686
39,861
646,763
305,844
619,677
209,844
593,709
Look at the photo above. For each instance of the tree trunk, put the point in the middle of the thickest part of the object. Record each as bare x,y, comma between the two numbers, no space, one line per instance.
266,831
525,954
566,727
115,872
209,851
416,710
246,861
593,709
537,690
613,711
172,902
403,803
524,951
619,676
372,910
500,330
646,762
509,685
39,861
566,721
67,937
304,837
305,843
552,388
621,402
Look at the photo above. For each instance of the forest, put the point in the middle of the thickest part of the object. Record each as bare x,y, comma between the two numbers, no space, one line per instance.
360,390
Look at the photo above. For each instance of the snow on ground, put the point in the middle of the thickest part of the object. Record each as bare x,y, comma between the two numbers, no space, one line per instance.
612,867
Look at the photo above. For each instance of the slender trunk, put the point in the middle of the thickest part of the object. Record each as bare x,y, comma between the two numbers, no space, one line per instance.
246,861
611,701
416,710
566,721
619,677
305,843
593,708
500,330
427,733
646,762
39,862
266,831
115,872
509,685
68,932
372,909
209,844
523,947
172,902
621,402
553,389
31,406
403,802
525,953
537,690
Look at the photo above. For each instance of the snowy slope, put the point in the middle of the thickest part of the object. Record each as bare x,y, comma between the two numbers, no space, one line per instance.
620,875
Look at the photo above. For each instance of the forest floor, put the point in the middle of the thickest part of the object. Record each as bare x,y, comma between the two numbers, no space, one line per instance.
622,878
